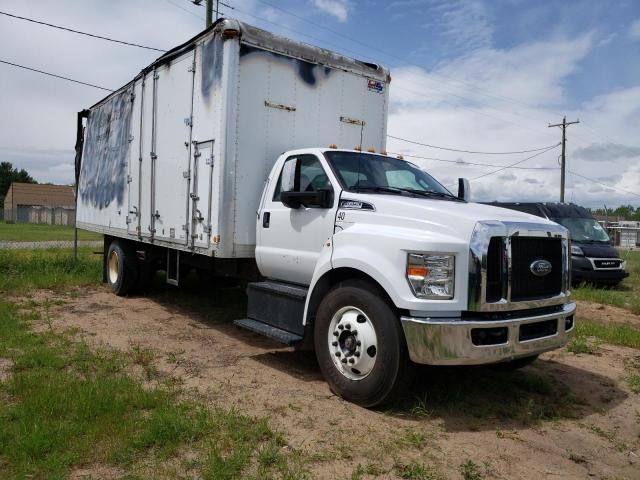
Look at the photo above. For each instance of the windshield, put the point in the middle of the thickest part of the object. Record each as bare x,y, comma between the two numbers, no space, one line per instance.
583,229
362,171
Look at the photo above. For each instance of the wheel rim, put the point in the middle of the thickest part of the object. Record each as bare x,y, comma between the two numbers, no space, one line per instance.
353,343
113,267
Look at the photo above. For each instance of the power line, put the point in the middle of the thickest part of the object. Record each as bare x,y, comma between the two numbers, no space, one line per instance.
516,163
184,9
603,184
57,76
471,151
81,33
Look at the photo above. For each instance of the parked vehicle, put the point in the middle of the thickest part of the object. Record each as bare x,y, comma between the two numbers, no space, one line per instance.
593,257
219,157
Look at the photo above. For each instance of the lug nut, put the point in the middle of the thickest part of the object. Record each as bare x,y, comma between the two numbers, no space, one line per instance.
355,332
348,327
356,354
344,360
340,327
358,343
351,360
338,354
336,333
335,344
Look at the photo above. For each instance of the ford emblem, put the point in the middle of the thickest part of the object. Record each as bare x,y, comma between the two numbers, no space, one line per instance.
540,268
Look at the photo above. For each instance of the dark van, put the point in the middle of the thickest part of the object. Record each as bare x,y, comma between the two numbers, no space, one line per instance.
593,257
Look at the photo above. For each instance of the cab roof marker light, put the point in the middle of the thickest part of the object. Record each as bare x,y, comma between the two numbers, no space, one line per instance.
383,152
333,145
358,148
399,157
371,150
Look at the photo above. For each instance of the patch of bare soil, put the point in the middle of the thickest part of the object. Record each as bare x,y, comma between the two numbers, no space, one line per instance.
5,368
607,313
95,472
234,368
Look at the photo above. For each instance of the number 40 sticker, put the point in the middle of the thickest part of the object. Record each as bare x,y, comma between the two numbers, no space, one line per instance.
341,216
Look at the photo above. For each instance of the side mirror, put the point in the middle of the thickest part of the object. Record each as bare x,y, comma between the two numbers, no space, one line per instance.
290,173
464,189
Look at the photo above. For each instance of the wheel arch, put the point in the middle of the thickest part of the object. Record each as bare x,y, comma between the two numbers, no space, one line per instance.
333,277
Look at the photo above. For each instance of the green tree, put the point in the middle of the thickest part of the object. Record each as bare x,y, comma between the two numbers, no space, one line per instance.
8,175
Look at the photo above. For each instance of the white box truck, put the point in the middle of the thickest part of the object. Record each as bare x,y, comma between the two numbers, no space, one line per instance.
244,153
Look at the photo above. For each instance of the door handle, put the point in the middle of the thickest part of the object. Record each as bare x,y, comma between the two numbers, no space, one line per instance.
266,216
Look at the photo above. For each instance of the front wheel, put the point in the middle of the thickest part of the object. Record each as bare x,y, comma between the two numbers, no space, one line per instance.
360,346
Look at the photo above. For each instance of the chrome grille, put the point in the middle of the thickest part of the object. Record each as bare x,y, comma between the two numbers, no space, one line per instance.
501,256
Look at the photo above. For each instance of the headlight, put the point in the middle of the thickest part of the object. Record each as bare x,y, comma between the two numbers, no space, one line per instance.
575,250
431,275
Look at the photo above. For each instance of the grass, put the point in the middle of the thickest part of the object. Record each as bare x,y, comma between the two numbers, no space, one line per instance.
64,406
581,344
28,232
23,270
470,470
626,295
614,334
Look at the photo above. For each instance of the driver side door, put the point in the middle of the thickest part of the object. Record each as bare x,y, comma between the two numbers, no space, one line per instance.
290,240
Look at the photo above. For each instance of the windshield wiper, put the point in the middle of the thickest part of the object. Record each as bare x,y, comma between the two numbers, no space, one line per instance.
378,188
429,193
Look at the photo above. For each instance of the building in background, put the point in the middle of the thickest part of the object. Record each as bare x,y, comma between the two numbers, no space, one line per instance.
37,203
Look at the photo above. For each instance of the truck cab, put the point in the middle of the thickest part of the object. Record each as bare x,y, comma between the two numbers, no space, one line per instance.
383,267
593,257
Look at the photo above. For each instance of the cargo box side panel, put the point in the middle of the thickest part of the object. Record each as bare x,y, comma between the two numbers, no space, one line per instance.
146,135
102,188
286,103
173,121
207,131
135,148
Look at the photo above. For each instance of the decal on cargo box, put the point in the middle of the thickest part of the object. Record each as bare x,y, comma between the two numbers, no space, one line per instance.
375,86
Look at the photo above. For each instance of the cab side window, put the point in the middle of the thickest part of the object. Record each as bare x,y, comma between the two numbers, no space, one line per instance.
311,177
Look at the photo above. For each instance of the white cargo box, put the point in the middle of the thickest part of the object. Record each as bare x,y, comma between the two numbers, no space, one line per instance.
178,156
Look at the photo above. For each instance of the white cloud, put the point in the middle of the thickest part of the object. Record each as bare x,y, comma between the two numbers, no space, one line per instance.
337,8
504,103
634,30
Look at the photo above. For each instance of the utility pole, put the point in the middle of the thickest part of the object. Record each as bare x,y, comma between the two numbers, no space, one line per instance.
210,12
564,126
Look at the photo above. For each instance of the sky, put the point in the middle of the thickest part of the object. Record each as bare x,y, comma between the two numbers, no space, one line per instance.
473,75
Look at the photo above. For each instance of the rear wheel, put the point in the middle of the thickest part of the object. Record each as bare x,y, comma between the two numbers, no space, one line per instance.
121,267
360,346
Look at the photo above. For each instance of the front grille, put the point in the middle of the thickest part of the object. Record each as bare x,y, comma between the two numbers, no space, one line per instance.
607,263
495,260
526,250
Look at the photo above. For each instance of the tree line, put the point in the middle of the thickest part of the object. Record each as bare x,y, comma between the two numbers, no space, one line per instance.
8,175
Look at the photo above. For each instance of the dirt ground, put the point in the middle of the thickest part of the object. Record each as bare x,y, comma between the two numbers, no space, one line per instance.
196,343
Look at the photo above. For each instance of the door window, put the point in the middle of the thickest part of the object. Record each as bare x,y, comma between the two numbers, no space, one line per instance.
309,177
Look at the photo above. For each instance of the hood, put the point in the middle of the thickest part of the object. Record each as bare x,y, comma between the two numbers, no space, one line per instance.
456,219
597,250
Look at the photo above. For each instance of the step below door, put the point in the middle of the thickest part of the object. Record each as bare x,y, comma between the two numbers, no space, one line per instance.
201,193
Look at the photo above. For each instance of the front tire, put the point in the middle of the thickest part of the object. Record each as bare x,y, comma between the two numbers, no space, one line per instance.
121,268
360,346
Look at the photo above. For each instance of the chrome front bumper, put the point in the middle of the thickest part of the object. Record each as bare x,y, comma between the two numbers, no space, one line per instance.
455,341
